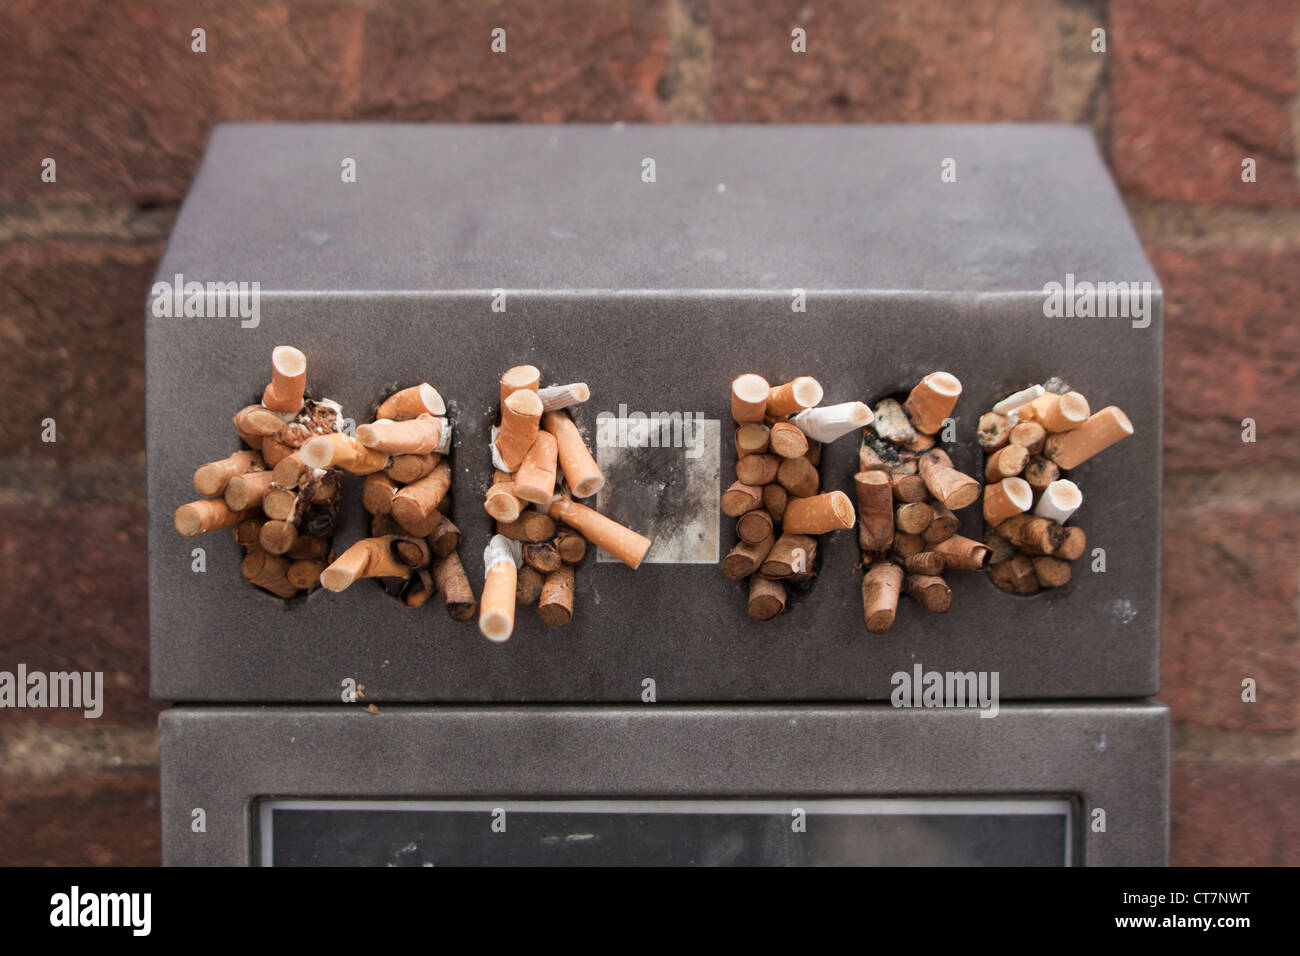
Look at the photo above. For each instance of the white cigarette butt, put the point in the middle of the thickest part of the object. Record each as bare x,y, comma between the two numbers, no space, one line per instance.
1060,500
1022,397
555,397
829,422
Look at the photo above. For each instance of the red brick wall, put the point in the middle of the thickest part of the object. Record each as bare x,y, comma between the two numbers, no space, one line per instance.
112,92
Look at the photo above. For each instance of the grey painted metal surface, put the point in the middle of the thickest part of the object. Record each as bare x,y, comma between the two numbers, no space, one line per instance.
657,295
1106,756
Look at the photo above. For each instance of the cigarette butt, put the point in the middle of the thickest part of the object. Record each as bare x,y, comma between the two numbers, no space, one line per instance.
501,502
766,598
1006,462
1071,449
571,545
814,453
209,514
424,435
757,469
905,545
405,469
453,584
754,526
416,505
791,554
368,558
752,438
521,416
943,526
829,422
913,517
740,498
1058,413
247,491
338,450
993,431
210,480
787,440
909,488
746,558
520,378
318,523
1033,534
920,443
1015,575
535,479
528,585
419,588
774,499
581,472
501,561
1000,549
875,510
555,607
246,532
422,399
962,554
308,547
288,380
1051,572
1018,399
275,451
794,396
1040,472
556,397
929,590
1075,543
288,472
377,494
542,555
953,488
411,551
531,526
445,538
798,477
269,572
818,515
1028,435
257,420
623,543
749,398
892,424
924,562
280,504
932,401
1008,497
1060,499
880,588
277,537
305,574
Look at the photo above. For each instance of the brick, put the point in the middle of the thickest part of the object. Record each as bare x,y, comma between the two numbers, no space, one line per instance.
80,819
1199,85
1230,612
893,61
72,343
1235,815
1232,351
73,597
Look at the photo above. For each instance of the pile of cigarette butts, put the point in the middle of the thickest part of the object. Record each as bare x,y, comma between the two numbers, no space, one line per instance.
908,492
282,512
413,547
776,498
1031,439
531,559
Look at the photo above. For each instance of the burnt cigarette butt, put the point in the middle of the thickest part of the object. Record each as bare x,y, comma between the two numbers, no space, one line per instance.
415,506
501,502
1071,449
501,559
288,380
1032,534
1008,497
419,588
798,477
774,499
411,551
453,584
961,553
791,554
256,420
754,526
422,399
623,543
277,537
581,472
1040,472
275,451
874,490
817,515
930,590
880,589
749,398
425,435
932,401
555,397
321,489
308,547
247,491
746,558
752,438
1074,544
531,526
892,424
785,439
1000,549
209,514
905,545
445,538
405,469
1007,461
993,431
368,558
908,488
377,494
280,504
542,555
555,606
305,573
924,562
571,545
535,479
1059,413
1018,399
520,378
766,598
740,498
528,585
794,396
1051,572
289,471
913,517
954,489
210,480
1028,435
521,416
829,422
318,522
757,469
269,572
1059,501
342,451
246,532
943,525
1016,575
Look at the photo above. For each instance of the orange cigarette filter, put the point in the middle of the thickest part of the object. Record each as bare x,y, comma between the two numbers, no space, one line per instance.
501,560
212,478
525,377
422,399
521,416
1008,497
749,394
932,401
342,451
288,380
535,479
209,514
819,514
785,400
368,558
581,472
258,421
623,543
1057,413
1071,449
416,436
501,502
